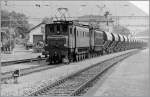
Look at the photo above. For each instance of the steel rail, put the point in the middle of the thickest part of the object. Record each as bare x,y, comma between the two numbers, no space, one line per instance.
20,61
75,83
25,71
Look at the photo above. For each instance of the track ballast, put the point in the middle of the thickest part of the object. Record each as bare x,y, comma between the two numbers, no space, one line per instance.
75,84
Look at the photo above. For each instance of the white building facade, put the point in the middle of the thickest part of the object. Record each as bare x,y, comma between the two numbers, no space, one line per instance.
37,34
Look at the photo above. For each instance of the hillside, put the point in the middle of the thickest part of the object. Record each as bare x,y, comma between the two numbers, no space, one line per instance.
123,8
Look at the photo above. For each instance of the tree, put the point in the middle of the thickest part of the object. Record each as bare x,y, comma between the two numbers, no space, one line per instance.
17,21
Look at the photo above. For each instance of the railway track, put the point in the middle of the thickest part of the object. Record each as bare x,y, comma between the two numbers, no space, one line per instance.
76,84
20,61
26,71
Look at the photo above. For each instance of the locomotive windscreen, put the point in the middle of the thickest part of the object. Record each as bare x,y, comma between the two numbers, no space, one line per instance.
56,29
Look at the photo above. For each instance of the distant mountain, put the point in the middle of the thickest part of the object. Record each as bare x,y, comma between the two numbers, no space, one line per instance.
123,8
116,8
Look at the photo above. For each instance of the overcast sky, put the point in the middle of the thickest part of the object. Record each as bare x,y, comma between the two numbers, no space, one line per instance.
143,5
48,8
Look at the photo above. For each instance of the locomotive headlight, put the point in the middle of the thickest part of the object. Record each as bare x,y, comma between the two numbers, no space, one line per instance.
65,45
46,45
66,41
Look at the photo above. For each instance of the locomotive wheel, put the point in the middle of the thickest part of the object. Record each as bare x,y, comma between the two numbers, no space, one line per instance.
83,56
88,56
80,57
77,57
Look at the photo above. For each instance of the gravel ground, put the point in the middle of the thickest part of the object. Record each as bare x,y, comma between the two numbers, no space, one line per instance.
30,83
19,56
129,78
21,66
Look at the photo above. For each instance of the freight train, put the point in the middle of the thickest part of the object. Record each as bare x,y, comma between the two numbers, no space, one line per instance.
70,41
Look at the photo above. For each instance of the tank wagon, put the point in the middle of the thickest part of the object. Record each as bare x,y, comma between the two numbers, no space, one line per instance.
67,40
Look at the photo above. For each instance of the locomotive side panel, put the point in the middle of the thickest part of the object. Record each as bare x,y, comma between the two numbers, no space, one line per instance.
72,31
92,38
82,38
98,41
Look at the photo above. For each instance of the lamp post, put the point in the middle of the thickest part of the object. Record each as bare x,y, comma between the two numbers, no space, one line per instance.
10,31
10,19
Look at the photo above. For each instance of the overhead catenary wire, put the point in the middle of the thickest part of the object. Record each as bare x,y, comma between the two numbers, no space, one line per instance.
117,18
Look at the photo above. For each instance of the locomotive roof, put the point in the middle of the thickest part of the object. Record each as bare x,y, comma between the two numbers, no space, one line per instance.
62,22
71,23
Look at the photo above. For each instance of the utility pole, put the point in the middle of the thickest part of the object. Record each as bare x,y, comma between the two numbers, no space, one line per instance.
10,33
0,48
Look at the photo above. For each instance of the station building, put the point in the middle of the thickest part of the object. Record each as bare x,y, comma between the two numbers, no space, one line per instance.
36,34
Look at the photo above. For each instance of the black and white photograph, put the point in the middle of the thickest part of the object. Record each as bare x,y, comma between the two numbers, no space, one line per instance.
74,48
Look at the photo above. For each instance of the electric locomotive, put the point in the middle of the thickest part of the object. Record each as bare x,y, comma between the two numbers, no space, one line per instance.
70,41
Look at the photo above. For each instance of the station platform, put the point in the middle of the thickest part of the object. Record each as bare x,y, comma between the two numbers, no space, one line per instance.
128,78
19,53
19,56
31,82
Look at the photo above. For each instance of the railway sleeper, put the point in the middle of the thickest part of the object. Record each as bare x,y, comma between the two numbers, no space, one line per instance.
105,65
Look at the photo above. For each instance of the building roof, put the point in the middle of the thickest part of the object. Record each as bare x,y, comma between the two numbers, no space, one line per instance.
95,18
36,26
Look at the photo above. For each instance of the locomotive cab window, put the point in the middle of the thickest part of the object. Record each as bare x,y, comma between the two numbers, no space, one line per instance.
58,28
64,28
52,28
